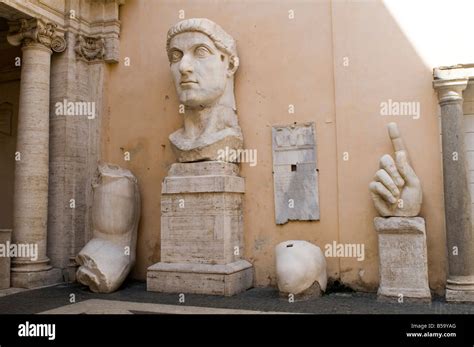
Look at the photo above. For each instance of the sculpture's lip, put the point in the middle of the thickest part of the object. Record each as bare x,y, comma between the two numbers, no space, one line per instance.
185,83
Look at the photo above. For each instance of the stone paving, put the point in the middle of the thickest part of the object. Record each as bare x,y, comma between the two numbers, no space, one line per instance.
255,300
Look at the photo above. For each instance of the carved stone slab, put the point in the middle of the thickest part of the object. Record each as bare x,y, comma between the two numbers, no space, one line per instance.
201,214
201,231
295,174
403,258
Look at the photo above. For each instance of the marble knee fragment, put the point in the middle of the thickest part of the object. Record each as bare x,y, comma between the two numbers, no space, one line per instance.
108,257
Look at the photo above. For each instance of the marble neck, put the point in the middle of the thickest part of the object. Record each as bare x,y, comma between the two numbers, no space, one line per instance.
196,121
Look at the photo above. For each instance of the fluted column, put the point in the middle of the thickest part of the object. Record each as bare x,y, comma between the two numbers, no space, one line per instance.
457,197
30,206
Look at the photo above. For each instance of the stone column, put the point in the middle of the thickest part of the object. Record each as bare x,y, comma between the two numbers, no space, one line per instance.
30,205
457,197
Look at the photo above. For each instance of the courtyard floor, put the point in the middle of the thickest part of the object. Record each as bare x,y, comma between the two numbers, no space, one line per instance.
133,298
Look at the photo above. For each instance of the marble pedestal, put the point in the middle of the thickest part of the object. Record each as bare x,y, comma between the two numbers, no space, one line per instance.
5,238
201,232
403,260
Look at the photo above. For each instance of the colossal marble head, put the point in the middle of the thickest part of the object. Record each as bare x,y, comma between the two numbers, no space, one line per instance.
203,60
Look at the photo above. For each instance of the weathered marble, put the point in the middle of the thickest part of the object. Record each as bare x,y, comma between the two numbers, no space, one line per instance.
203,168
201,198
396,189
78,74
403,260
228,279
107,259
92,19
300,269
74,153
90,48
38,39
5,237
396,193
36,31
295,174
203,60
201,231
460,289
457,195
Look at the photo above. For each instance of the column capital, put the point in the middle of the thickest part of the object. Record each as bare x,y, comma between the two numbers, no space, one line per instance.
30,31
450,90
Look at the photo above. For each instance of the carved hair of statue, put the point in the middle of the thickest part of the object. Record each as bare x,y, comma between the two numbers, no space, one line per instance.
221,39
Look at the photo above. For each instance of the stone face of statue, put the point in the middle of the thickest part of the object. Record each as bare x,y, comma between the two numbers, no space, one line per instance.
203,61
200,70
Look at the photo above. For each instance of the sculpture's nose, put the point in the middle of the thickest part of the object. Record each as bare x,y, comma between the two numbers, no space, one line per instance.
185,66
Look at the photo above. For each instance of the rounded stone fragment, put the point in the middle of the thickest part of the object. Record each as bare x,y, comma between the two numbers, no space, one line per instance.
299,266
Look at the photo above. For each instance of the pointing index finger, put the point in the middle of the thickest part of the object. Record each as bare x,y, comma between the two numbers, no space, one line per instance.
395,136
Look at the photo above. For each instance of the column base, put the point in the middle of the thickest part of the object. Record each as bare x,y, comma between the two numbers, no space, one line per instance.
228,279
36,279
459,295
460,289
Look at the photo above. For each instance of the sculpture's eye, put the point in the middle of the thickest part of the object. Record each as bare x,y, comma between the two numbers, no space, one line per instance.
202,52
176,56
